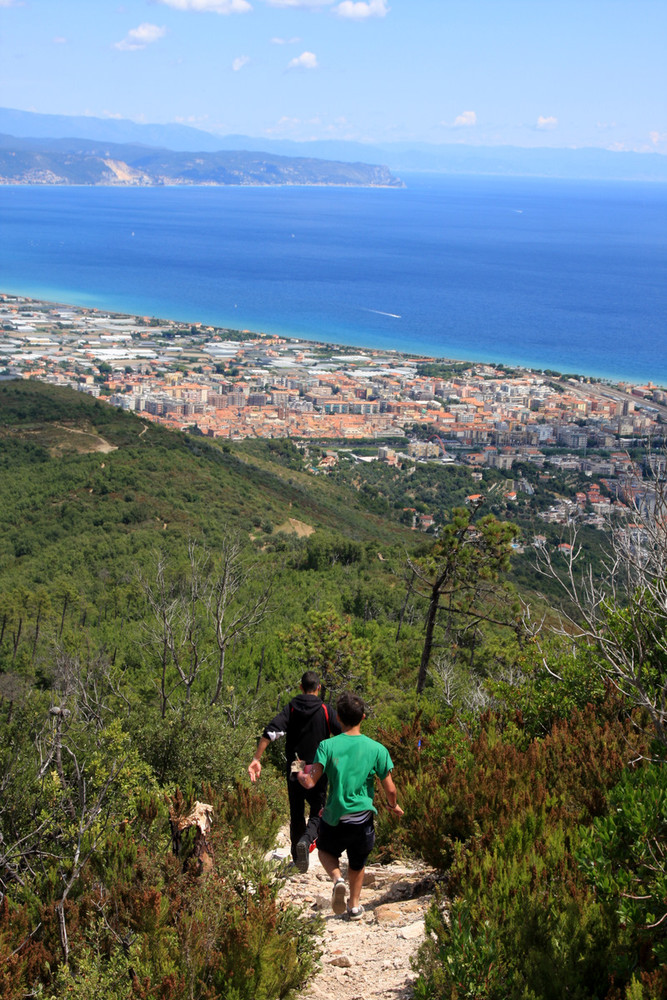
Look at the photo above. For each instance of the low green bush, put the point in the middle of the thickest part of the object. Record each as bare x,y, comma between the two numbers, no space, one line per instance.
623,856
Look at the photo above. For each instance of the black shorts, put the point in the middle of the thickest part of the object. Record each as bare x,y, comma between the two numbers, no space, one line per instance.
358,839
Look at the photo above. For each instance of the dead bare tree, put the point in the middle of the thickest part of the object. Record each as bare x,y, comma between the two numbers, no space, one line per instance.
230,617
91,826
195,617
622,611
72,822
178,623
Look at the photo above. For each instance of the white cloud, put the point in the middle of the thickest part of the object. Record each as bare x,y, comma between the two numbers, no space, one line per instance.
240,62
307,60
212,6
12,3
657,137
359,10
285,41
298,3
547,123
465,119
59,40
139,38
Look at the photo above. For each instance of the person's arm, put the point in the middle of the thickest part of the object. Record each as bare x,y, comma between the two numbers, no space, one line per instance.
310,780
254,767
275,729
389,789
334,721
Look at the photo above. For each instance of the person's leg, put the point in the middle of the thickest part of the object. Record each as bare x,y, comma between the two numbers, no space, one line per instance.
316,797
355,881
297,807
329,854
330,864
360,846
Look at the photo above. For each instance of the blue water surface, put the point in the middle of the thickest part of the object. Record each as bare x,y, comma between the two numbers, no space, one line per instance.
544,273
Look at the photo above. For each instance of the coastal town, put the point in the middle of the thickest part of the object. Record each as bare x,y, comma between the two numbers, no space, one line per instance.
234,384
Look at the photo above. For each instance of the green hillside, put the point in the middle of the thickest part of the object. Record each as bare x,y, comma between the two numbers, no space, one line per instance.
73,466
160,596
92,498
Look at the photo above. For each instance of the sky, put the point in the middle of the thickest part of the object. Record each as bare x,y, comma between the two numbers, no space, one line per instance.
563,73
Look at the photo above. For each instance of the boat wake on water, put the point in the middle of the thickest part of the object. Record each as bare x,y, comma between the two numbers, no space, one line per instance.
379,312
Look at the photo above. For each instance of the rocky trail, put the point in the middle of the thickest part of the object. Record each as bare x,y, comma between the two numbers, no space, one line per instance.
367,959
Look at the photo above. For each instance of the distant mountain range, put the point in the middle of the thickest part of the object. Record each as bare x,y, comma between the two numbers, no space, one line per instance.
452,158
87,161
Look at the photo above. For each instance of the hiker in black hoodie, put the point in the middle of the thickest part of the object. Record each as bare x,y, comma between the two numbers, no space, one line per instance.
304,722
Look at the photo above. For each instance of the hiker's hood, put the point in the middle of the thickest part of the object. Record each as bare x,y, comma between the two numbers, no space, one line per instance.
306,705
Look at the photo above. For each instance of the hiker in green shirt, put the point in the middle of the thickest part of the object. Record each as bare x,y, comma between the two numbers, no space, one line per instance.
351,762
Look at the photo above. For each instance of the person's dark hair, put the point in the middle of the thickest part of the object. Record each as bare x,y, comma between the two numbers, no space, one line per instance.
350,708
310,682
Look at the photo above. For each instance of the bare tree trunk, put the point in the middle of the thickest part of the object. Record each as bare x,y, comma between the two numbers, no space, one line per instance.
62,927
405,605
16,638
428,637
259,672
62,617
36,639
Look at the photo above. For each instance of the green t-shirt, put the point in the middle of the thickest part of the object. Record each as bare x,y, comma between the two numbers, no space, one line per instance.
351,762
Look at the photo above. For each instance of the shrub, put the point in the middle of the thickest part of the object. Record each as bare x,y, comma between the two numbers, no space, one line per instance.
506,817
144,924
624,857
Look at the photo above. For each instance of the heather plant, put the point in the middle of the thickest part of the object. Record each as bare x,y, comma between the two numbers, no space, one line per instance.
623,856
548,683
523,928
505,814
97,977
241,812
144,922
486,781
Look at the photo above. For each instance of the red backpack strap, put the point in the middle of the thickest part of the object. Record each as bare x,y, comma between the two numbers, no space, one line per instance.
326,716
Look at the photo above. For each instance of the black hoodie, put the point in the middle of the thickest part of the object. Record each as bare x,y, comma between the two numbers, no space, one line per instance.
305,722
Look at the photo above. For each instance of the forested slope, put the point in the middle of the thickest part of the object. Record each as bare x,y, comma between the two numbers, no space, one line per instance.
159,595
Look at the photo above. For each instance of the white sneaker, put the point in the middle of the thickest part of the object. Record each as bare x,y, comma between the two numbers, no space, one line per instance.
338,903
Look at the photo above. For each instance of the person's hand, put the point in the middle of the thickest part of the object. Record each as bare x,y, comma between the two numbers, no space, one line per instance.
254,770
396,810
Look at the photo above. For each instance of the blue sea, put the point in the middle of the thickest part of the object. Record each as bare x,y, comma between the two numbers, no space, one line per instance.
565,275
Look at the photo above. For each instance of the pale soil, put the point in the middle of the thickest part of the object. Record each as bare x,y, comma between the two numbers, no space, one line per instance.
124,173
368,959
93,443
293,526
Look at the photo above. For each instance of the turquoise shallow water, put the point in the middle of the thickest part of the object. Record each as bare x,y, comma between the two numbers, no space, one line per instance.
556,274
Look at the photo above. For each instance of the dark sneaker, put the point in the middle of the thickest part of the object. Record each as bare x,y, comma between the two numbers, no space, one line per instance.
355,912
338,904
302,859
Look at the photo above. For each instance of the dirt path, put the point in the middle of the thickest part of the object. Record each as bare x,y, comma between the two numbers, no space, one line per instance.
97,443
368,959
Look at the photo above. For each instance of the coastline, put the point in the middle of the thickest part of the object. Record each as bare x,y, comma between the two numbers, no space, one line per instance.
66,303
560,277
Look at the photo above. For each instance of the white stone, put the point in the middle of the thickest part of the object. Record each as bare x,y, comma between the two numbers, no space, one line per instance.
412,931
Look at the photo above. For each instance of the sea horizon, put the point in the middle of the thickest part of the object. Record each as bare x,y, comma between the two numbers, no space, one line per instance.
534,274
